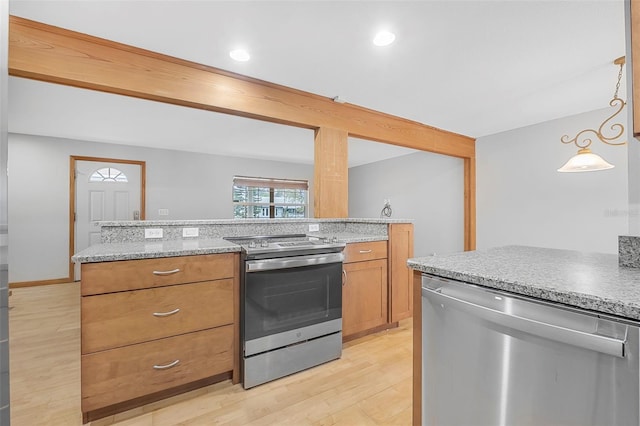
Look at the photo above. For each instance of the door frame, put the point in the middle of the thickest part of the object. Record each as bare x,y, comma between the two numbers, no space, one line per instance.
72,197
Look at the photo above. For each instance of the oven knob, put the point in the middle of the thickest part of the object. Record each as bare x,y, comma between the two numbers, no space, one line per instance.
334,240
264,243
326,240
252,244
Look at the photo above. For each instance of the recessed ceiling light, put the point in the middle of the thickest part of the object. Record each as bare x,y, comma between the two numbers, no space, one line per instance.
240,55
384,38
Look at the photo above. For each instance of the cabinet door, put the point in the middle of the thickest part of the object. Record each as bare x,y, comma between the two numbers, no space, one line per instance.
364,296
400,276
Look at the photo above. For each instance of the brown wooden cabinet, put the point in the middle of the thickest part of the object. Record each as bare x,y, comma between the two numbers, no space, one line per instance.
400,275
364,290
377,284
155,327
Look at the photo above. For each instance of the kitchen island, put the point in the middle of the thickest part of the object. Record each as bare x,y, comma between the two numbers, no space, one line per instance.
588,281
172,301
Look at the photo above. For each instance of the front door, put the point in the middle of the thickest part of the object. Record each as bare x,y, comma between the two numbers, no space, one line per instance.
104,191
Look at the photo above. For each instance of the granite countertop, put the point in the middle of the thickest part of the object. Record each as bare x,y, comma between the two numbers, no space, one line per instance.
108,252
152,249
592,281
129,223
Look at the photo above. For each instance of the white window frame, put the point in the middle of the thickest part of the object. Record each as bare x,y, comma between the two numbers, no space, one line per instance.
272,184
108,174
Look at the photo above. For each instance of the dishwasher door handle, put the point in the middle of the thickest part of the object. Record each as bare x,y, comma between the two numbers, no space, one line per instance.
594,342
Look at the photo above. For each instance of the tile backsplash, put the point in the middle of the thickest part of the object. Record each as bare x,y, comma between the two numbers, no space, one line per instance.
629,251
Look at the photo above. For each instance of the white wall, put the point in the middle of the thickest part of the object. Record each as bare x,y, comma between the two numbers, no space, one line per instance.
522,199
189,185
425,187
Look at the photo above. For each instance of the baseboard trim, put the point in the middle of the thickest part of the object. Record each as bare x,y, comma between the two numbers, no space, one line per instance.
23,284
383,327
156,397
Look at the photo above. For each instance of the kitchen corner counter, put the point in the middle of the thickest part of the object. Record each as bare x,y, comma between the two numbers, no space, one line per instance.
108,252
125,240
592,281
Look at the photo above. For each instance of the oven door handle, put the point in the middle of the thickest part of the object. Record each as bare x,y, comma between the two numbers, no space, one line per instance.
292,262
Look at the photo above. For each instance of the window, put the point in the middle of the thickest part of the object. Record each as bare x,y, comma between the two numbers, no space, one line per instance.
108,174
269,198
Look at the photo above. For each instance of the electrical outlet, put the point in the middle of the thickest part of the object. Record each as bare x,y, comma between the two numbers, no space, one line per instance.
163,212
153,232
314,227
190,232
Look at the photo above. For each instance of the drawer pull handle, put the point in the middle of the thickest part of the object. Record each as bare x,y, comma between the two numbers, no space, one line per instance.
166,314
365,251
164,367
174,271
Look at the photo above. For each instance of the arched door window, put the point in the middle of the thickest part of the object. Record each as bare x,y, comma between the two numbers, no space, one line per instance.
108,174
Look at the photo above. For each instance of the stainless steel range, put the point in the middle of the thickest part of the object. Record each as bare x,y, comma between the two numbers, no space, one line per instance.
291,305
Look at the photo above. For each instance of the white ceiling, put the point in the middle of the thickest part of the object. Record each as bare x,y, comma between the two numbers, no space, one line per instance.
472,67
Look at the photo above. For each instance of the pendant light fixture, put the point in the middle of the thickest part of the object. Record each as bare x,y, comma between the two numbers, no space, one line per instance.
585,160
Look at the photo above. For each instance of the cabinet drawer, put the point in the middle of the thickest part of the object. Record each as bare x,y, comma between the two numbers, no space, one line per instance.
107,277
118,375
118,319
357,252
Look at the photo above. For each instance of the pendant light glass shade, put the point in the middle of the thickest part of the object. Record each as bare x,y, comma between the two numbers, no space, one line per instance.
585,161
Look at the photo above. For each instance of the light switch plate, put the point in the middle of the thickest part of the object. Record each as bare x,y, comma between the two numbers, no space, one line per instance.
163,212
190,232
314,227
153,232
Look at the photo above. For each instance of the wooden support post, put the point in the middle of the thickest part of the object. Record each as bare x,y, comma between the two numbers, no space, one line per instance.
331,180
470,203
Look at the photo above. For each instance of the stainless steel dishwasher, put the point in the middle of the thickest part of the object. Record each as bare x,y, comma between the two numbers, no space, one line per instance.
494,358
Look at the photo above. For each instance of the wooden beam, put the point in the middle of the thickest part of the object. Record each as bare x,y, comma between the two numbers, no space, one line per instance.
44,52
52,54
331,180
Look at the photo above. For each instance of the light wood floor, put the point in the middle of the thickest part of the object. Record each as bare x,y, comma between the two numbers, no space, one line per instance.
369,385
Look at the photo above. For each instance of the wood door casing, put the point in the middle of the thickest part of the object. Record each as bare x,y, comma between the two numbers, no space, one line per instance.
72,197
103,200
